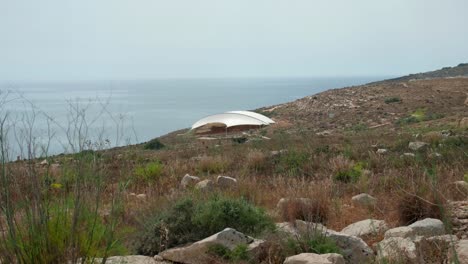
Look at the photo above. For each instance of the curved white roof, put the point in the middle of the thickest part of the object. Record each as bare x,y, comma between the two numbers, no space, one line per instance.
254,115
234,118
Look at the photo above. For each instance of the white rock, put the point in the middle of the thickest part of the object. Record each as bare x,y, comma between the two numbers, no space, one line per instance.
284,203
311,258
44,162
417,145
402,231
205,186
461,249
354,249
408,155
188,181
397,250
428,227
135,259
196,253
366,227
226,182
382,151
364,199
141,196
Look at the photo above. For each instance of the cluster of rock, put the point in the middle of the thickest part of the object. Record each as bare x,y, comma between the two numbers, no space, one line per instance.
459,211
224,182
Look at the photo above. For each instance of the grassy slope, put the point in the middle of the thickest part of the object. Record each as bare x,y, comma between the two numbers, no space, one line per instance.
358,121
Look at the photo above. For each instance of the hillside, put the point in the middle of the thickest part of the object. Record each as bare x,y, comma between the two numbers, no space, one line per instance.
374,173
376,105
461,70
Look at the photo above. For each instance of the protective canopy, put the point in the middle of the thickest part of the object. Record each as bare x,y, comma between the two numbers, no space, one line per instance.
235,118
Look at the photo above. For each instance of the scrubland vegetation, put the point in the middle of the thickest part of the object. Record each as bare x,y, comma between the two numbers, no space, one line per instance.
102,201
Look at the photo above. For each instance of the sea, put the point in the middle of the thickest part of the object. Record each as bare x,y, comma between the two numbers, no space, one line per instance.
71,116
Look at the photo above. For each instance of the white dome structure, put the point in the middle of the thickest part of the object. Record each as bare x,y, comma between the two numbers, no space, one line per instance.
233,119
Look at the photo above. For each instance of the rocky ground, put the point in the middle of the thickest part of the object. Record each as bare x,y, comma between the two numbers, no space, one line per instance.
369,174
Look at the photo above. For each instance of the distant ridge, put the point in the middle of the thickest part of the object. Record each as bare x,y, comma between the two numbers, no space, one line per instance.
461,70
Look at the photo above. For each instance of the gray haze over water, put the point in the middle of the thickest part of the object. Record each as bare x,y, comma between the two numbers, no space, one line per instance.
149,109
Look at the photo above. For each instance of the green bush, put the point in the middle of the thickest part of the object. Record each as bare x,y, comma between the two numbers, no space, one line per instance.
350,175
187,221
239,253
316,243
154,144
150,172
418,116
390,100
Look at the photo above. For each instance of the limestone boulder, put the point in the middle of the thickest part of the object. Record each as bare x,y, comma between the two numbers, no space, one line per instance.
417,145
428,227
205,186
354,249
397,250
226,182
311,258
364,200
189,181
402,231
365,228
197,253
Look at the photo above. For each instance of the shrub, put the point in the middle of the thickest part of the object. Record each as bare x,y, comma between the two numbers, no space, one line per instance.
187,221
312,243
239,253
390,100
351,174
292,162
154,144
150,172
278,246
418,116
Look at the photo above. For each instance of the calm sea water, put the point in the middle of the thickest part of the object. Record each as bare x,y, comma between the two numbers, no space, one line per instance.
147,109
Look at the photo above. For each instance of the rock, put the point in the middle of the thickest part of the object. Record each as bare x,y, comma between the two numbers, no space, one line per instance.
461,249
197,253
417,145
284,203
459,190
446,133
141,196
364,200
368,227
463,122
435,155
408,155
44,163
299,227
382,151
311,258
135,259
402,231
205,186
459,218
189,181
397,250
428,227
354,249
275,153
226,182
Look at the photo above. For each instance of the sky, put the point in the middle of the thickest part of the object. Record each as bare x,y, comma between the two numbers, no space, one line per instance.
56,40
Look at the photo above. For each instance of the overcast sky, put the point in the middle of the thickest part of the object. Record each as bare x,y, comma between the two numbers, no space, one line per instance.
150,39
